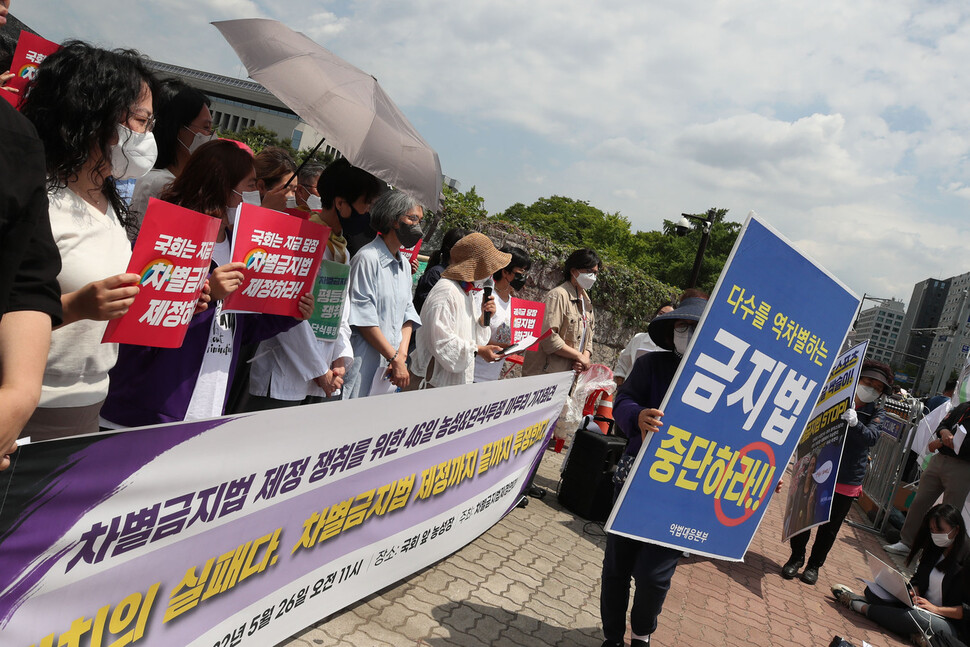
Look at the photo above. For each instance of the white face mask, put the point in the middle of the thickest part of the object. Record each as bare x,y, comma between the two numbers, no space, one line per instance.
314,203
197,140
866,394
941,539
291,202
682,339
134,155
586,280
249,197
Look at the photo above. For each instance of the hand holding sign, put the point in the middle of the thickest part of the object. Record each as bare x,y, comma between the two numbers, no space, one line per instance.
306,306
101,300
168,268
226,279
280,256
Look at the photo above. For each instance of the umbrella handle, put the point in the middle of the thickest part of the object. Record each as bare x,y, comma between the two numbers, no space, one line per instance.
308,158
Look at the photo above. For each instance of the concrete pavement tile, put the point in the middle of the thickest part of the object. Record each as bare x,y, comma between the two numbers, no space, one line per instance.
420,600
394,617
378,636
461,618
461,639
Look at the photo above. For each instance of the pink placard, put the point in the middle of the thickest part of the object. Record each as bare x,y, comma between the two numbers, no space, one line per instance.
172,256
282,254
30,53
412,253
526,319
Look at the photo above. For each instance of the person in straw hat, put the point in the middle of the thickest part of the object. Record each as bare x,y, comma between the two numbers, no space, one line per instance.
454,331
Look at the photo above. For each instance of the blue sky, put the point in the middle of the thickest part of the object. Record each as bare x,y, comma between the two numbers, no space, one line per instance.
844,125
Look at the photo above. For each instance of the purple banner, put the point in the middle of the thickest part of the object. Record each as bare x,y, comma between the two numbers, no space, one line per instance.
223,531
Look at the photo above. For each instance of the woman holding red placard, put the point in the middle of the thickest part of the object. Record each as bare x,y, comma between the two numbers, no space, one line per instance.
93,111
157,385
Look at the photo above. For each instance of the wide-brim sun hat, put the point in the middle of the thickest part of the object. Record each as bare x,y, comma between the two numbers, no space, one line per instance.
661,329
474,257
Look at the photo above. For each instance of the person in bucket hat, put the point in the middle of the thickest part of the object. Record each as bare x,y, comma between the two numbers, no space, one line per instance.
454,331
636,413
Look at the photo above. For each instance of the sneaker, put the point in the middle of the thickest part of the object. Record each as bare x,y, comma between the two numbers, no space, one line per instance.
899,548
845,596
638,642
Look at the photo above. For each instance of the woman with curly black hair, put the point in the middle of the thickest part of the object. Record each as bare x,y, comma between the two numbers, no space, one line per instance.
93,111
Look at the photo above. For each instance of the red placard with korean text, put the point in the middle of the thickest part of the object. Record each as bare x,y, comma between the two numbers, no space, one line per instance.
282,254
30,53
171,256
526,319
412,253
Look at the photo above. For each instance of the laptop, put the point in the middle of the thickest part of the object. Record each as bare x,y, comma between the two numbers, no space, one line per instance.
888,583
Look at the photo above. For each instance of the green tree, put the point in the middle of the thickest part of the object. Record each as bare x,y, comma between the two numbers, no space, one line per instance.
457,210
670,257
258,138
574,223
661,254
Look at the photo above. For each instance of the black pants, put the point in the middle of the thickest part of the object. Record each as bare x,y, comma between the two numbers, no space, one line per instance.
651,567
825,534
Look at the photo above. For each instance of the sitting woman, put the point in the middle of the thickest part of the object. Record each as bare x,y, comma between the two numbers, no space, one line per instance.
938,589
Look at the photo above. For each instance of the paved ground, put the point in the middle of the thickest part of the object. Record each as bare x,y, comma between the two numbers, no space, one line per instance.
533,581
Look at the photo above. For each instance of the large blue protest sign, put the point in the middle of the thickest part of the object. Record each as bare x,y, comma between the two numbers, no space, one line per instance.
739,401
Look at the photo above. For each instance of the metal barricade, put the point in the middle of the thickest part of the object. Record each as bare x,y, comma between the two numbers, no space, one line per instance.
887,460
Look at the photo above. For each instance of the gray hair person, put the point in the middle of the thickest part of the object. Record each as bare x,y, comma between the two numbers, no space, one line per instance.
382,315
388,209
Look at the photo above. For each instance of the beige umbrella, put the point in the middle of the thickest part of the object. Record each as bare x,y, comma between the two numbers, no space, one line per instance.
343,103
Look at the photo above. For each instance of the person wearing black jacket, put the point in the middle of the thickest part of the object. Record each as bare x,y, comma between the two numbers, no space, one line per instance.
864,419
30,297
939,586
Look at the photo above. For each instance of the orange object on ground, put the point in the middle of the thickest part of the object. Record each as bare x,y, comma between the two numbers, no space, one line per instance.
605,410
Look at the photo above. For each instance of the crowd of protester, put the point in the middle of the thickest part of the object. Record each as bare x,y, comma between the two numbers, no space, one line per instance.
94,117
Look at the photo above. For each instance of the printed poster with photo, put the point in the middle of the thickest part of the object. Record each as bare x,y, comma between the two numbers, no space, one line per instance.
819,450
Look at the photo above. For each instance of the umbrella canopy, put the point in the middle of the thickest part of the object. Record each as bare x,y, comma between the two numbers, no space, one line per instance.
343,103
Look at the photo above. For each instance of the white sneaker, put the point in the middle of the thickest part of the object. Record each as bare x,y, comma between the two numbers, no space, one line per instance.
899,548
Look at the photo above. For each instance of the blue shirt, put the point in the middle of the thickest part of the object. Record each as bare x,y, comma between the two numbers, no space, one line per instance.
380,295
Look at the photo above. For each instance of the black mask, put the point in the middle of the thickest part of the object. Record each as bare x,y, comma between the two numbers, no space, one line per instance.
518,282
409,234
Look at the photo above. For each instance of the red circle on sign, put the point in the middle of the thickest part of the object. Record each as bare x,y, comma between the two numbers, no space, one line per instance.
723,518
